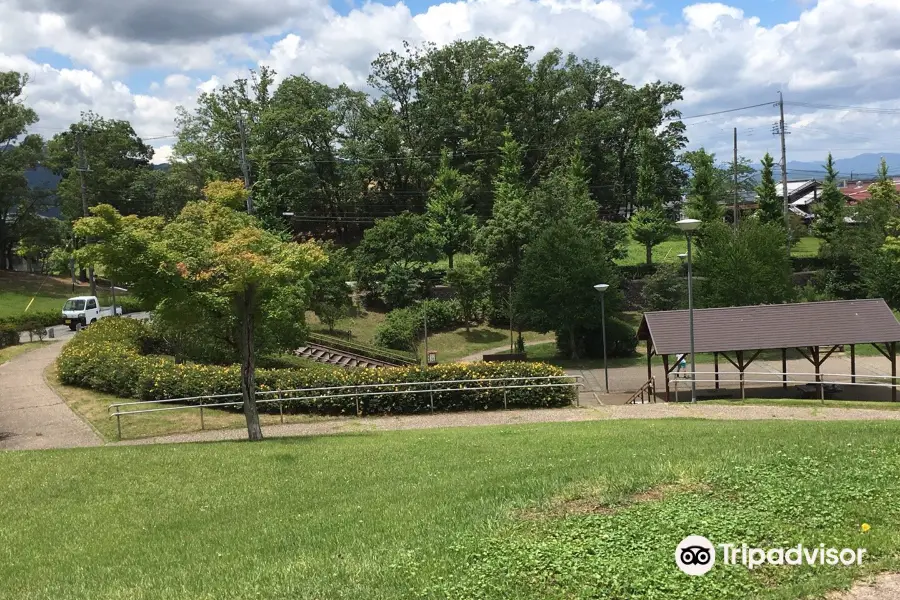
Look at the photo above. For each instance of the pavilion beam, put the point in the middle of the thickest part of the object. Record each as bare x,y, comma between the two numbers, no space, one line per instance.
828,354
886,351
805,355
740,359
716,363
665,358
816,353
852,363
784,368
893,348
649,359
728,358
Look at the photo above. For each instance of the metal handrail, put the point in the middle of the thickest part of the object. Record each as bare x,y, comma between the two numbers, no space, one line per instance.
819,382
118,414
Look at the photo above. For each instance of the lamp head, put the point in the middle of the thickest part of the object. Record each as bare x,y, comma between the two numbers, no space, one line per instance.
689,225
601,287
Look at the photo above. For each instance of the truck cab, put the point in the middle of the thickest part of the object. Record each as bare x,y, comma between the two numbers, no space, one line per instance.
82,310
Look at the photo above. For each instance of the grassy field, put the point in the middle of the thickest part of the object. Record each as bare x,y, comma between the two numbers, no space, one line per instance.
93,407
669,250
450,345
813,404
578,510
10,352
49,293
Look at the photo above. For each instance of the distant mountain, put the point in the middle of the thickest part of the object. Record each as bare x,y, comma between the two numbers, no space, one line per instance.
42,178
864,166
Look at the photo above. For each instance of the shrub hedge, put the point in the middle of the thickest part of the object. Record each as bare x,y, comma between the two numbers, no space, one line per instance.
33,320
9,335
108,357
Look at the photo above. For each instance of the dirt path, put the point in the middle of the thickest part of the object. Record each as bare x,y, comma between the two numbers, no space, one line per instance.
478,355
883,587
32,416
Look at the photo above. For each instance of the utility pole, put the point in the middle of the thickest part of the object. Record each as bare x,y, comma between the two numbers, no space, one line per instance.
784,186
737,212
82,169
245,167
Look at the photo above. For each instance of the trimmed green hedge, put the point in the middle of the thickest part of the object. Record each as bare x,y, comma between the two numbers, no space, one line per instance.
34,320
107,357
9,335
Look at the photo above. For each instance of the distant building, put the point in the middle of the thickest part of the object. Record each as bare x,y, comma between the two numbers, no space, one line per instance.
803,195
858,191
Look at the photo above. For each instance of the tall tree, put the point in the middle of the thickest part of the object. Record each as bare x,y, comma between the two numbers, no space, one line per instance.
209,260
448,218
832,205
771,208
330,298
705,191
114,158
18,153
744,266
649,227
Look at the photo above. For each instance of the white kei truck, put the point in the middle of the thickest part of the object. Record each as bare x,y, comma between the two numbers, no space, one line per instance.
84,310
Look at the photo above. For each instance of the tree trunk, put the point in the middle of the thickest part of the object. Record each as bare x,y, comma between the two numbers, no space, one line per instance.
649,254
573,347
450,261
248,365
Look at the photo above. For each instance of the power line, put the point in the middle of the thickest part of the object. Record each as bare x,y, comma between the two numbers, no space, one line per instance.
865,109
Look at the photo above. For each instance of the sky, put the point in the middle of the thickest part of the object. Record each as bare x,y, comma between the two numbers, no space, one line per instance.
140,59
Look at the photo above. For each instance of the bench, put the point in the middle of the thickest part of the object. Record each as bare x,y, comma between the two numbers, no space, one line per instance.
504,357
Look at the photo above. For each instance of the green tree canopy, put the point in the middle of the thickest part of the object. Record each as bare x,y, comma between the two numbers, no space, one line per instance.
214,266
649,227
705,190
745,265
771,205
832,205
448,218
18,153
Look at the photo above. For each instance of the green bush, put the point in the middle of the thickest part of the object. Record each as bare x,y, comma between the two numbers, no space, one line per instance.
399,330
9,335
107,357
443,315
34,320
130,304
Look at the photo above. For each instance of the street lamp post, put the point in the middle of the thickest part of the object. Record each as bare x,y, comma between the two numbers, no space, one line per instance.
602,287
689,226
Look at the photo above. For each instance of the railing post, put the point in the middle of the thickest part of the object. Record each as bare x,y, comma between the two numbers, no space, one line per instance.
431,397
281,409
505,406
202,423
118,423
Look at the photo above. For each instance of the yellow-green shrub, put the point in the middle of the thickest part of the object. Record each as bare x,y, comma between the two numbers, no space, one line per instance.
107,357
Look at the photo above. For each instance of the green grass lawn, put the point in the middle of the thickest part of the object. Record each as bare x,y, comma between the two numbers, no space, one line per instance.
49,293
669,250
10,352
813,404
575,510
450,345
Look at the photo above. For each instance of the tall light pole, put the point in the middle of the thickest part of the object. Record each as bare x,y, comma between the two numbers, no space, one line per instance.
688,227
602,287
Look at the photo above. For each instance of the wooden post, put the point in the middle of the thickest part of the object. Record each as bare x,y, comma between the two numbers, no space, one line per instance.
818,365
665,358
716,361
852,363
893,348
649,360
740,361
784,368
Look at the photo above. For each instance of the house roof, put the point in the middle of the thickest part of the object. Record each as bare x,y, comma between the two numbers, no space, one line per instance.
771,326
859,190
797,189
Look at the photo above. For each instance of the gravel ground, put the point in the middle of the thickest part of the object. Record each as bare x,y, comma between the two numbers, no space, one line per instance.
883,587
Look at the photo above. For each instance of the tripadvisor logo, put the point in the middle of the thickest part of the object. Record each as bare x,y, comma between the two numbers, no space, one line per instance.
696,555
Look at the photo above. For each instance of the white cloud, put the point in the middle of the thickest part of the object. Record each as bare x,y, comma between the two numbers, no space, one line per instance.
836,52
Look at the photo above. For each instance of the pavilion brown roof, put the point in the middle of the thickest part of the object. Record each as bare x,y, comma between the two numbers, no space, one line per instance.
771,326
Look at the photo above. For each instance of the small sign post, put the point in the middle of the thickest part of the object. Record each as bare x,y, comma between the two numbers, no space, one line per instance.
431,358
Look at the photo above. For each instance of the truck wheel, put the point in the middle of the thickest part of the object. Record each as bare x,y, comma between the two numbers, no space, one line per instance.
93,321
72,327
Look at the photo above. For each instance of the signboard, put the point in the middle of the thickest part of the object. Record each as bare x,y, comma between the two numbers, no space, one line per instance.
432,357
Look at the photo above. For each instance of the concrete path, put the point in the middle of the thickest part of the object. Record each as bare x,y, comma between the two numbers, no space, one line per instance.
32,416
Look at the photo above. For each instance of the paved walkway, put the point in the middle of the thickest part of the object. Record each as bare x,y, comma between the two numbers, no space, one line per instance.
32,416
